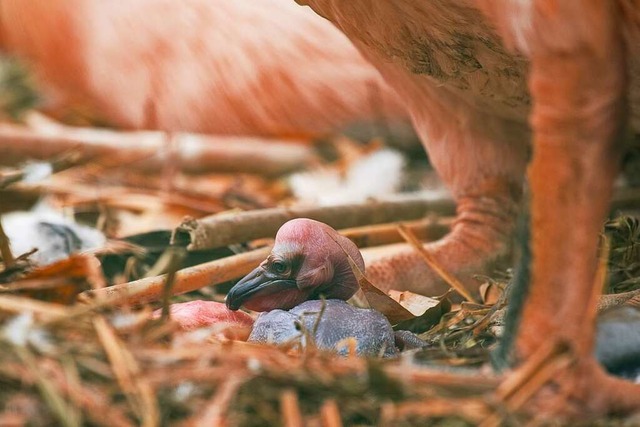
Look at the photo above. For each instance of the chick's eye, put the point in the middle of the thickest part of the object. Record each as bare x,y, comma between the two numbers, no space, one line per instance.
279,267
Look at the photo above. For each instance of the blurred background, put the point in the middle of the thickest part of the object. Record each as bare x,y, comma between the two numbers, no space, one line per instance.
150,110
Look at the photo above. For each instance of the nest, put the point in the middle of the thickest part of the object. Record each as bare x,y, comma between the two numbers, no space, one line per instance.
108,361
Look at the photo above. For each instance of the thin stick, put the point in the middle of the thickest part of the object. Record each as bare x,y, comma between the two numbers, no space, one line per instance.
426,230
42,310
434,265
330,414
520,377
186,280
522,383
50,393
215,411
471,409
419,375
18,174
291,415
138,391
176,256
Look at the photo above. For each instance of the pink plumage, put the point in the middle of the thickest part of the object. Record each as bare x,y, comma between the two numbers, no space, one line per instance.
200,314
267,67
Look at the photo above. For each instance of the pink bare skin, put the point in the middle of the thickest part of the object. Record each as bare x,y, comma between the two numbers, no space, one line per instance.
469,101
266,68
200,314
574,81
308,261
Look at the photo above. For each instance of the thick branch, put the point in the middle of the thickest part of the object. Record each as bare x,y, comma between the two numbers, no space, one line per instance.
149,150
232,227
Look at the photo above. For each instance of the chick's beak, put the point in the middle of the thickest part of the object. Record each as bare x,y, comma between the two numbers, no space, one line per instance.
263,291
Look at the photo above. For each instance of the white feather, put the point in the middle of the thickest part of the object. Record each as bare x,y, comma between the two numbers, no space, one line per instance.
26,232
377,174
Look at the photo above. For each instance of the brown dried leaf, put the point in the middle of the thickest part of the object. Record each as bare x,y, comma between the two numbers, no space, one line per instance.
61,281
490,293
379,300
426,311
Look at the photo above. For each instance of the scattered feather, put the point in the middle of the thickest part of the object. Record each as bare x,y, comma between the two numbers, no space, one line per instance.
54,236
373,175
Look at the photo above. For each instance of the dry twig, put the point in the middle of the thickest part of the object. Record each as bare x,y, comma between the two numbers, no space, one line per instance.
138,391
194,153
189,279
434,265
291,415
232,227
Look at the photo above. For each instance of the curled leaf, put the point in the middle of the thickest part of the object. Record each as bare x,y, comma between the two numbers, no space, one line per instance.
426,311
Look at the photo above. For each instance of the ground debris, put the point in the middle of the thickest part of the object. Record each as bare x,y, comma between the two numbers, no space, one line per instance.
111,364
108,361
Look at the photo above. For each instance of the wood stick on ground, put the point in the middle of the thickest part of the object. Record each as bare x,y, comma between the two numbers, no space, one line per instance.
189,279
67,415
469,382
128,374
434,265
330,414
291,415
233,227
22,172
523,383
193,152
471,409
43,311
215,412
219,271
10,177
520,378
427,230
